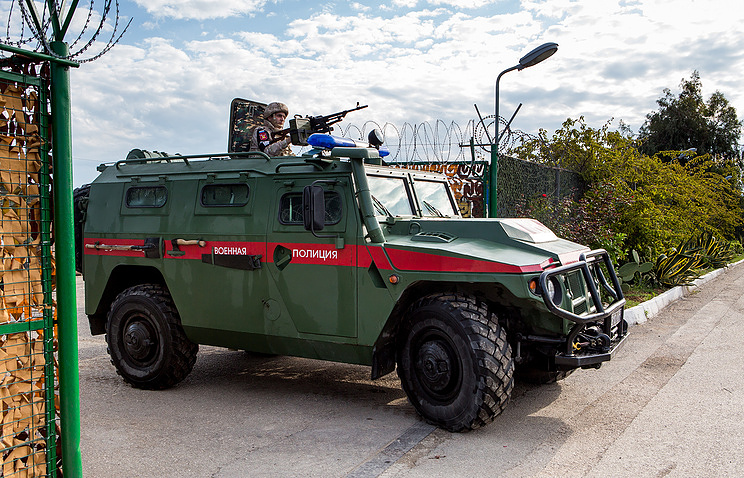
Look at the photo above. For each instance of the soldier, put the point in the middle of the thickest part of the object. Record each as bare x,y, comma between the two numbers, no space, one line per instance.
264,137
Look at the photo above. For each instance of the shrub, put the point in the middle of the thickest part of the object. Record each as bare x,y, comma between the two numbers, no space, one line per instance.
590,220
634,201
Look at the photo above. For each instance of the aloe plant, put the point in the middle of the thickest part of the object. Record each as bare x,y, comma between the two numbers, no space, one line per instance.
679,267
715,253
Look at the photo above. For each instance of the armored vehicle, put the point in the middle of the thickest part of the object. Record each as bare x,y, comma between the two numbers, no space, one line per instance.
332,255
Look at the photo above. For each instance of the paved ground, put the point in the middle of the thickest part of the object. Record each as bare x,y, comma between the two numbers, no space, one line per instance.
670,404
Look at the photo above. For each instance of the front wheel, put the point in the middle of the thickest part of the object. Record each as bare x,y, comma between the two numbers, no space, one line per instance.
145,339
454,362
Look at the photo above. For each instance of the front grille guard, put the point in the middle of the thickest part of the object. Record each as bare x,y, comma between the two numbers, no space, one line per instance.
588,262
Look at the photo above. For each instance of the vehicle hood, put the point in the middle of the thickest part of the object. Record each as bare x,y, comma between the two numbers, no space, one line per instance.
476,245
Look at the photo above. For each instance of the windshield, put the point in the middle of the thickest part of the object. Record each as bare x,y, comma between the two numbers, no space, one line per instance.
390,196
434,198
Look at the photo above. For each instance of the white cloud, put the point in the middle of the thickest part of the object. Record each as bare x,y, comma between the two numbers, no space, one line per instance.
200,9
464,4
359,7
405,3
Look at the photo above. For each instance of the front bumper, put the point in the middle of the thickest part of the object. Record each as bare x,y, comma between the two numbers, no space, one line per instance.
575,360
599,332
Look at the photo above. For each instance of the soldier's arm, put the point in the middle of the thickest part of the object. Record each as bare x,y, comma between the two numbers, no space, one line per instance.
263,140
275,148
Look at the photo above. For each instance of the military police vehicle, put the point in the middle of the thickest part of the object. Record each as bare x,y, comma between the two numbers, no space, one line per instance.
332,255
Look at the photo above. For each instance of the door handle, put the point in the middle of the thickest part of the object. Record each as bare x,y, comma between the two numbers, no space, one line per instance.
176,243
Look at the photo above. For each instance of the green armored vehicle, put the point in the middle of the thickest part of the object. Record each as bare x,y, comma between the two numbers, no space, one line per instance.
333,256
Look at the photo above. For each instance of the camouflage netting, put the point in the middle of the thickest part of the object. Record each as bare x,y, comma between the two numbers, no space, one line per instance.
520,181
28,423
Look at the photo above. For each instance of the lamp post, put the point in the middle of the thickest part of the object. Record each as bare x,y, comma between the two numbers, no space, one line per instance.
532,58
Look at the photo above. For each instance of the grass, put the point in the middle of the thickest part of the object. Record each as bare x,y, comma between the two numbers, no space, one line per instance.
639,293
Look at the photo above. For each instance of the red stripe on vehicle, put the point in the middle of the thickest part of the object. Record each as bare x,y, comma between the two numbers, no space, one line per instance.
316,254
322,254
377,253
421,261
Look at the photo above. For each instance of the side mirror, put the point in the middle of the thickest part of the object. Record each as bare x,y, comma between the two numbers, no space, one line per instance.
313,208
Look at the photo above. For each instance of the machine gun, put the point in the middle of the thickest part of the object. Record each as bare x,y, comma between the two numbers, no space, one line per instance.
301,128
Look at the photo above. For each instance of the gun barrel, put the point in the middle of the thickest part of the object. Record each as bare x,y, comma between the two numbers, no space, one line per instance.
301,128
322,124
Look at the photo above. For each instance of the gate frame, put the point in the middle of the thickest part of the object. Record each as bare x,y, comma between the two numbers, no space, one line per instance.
62,186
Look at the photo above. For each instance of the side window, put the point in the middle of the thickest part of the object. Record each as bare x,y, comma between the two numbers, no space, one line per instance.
146,196
290,208
224,195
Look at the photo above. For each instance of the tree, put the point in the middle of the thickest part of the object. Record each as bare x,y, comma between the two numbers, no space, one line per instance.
687,121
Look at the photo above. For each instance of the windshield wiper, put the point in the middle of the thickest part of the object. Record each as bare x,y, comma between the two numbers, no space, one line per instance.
381,207
434,211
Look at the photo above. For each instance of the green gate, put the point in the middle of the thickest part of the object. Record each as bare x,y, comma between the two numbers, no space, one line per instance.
29,423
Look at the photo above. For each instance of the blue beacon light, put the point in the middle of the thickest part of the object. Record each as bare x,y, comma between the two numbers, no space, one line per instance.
329,141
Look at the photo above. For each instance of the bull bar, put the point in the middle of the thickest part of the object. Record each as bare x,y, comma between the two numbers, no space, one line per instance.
610,317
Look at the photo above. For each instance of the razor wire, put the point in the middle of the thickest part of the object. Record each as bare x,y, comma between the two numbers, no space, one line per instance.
22,31
439,142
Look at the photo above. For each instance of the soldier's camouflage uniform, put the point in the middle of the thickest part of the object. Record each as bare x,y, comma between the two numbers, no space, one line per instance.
262,141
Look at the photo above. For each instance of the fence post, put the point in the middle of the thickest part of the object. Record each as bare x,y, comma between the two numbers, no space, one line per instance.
493,181
69,377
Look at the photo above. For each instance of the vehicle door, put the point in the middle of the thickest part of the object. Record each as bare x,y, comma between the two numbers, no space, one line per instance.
214,257
315,274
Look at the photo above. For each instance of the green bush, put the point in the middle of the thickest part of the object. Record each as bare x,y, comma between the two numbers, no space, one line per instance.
635,201
589,221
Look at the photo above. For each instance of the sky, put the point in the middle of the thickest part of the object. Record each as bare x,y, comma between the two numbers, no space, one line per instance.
167,85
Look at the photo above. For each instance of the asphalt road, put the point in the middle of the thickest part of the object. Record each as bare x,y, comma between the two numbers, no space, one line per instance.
670,404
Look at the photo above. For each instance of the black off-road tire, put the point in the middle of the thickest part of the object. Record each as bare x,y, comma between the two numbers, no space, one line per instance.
454,362
145,339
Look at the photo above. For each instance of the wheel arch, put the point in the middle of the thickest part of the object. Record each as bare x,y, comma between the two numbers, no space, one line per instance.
122,277
496,295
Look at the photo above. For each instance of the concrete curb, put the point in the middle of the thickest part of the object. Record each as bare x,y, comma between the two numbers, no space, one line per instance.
644,311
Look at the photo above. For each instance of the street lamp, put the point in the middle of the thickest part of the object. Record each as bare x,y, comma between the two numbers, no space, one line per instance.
532,58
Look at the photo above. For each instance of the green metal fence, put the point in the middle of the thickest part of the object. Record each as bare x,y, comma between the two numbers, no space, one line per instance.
29,424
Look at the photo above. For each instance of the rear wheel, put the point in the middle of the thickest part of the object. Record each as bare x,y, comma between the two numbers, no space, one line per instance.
145,339
454,362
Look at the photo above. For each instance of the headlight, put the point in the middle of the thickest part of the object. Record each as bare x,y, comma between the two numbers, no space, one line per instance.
551,290
554,290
